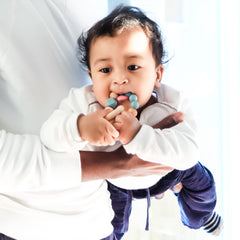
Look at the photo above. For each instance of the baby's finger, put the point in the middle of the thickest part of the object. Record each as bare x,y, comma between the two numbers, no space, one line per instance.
117,125
109,140
112,131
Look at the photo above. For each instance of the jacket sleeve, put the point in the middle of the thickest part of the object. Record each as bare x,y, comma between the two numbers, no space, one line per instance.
59,132
175,147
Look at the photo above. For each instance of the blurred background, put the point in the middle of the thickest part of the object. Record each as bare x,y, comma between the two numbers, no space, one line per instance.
202,38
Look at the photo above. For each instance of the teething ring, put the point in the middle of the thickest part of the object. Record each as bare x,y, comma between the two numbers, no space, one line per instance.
114,99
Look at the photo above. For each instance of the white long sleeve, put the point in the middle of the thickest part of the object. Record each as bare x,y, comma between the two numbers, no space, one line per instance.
41,190
169,147
60,132
25,164
175,147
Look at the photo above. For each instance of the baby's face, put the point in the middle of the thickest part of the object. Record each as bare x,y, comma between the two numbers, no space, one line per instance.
124,63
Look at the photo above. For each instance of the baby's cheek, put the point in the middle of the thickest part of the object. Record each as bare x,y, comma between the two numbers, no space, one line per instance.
143,100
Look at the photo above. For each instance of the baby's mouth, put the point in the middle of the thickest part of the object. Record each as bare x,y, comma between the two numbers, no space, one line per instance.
122,97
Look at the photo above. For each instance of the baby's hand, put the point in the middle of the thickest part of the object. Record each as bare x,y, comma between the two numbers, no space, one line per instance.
127,126
95,129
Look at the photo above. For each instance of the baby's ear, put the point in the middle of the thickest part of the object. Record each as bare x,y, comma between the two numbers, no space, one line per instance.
159,73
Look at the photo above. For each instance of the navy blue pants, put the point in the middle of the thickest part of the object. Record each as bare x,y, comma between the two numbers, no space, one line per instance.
197,198
4,237
111,237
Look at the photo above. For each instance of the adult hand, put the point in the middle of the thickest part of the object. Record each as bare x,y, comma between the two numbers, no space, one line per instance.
103,165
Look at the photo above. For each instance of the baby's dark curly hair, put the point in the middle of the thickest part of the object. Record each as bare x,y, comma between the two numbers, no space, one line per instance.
122,17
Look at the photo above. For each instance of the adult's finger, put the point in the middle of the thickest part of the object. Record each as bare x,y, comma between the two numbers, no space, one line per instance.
170,121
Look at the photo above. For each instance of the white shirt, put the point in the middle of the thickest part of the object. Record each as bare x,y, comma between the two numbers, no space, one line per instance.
41,196
175,147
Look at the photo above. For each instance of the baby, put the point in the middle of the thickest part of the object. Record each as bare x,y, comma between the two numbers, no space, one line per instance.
124,55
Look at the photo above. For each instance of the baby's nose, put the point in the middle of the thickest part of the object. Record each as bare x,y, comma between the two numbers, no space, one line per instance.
121,81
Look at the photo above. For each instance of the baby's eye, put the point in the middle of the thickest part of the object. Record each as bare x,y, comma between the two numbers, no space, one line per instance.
133,67
105,70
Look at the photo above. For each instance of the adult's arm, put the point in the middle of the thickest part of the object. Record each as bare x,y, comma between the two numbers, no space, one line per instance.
103,165
26,164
